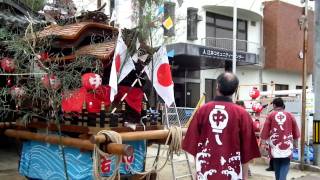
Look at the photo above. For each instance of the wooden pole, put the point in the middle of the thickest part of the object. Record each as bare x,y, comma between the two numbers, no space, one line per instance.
203,97
137,135
119,149
111,148
304,79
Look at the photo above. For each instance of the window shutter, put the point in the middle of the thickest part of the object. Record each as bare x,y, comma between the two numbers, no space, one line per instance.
192,23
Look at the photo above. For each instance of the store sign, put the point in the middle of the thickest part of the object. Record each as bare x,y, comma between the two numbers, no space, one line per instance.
316,132
221,54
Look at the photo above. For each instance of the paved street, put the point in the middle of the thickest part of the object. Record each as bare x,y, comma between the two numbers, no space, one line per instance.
9,159
259,173
257,169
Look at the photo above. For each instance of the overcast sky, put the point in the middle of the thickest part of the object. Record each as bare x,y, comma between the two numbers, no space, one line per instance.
91,4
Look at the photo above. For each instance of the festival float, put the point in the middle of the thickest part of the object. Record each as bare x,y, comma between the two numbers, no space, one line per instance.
79,92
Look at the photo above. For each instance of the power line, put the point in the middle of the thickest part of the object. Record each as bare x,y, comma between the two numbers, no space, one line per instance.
254,1
219,3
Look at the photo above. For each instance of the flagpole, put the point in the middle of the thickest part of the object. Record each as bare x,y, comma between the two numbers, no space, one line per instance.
152,69
234,44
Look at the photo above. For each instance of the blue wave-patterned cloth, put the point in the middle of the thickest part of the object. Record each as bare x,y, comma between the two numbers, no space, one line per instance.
44,161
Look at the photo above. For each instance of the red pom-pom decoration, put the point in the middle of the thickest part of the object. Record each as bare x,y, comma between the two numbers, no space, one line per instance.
91,81
17,92
43,56
7,65
257,107
254,93
51,82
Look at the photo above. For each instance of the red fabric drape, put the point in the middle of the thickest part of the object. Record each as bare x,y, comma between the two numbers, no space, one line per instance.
73,101
133,99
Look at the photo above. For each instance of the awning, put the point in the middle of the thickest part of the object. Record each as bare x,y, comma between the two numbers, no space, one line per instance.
197,57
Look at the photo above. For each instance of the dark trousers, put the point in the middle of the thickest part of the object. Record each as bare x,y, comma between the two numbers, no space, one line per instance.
281,167
271,164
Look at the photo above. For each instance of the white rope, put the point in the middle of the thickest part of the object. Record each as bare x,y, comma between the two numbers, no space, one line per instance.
175,135
98,153
21,74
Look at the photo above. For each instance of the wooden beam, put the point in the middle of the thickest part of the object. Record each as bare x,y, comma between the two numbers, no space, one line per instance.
111,148
137,135
84,129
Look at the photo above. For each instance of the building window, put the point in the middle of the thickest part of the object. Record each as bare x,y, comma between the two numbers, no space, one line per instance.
169,10
192,23
220,28
210,88
279,87
264,87
300,87
182,73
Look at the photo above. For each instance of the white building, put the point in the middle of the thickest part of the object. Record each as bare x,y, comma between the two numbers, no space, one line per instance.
202,40
214,33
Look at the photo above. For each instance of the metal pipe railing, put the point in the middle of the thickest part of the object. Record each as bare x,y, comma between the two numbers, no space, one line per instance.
226,43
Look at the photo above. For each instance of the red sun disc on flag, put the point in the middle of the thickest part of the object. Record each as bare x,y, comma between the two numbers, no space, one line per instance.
164,75
118,63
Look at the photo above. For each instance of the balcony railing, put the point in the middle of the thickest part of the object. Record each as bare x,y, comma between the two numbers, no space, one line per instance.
242,46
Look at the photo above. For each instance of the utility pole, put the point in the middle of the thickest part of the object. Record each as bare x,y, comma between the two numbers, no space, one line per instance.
304,78
234,44
316,77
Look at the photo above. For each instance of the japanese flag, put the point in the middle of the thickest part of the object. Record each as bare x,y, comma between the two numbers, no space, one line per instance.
162,79
122,65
